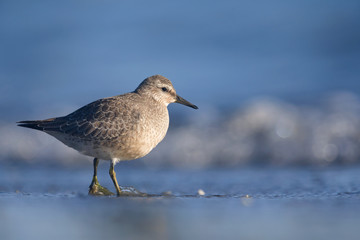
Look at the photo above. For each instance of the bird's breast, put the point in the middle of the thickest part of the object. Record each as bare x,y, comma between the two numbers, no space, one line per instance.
144,136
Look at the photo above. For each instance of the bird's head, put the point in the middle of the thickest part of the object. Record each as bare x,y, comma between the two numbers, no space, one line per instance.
161,89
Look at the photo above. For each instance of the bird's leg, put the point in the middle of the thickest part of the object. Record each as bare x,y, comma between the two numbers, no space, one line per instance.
95,188
95,180
124,191
113,178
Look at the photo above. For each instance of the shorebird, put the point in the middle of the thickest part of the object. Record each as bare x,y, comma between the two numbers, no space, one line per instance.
123,127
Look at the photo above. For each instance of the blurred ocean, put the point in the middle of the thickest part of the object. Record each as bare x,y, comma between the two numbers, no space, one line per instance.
276,82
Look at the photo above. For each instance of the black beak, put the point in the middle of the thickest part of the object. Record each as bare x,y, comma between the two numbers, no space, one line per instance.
184,102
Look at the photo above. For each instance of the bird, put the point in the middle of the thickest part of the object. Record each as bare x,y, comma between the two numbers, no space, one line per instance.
118,128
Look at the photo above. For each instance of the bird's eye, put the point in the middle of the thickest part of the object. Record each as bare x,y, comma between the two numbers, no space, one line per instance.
164,89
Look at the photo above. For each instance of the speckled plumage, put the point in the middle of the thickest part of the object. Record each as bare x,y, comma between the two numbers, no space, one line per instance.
122,127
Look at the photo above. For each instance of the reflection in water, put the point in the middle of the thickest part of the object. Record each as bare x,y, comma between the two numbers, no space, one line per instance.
82,219
248,203
186,218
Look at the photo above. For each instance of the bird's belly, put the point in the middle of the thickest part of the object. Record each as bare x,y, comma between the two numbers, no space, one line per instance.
127,148
115,151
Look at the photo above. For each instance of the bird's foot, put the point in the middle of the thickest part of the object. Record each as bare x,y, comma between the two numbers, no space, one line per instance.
97,190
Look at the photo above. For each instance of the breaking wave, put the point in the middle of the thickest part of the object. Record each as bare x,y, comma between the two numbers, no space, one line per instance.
263,131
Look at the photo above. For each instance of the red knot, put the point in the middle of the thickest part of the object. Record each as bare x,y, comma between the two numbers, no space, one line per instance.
123,127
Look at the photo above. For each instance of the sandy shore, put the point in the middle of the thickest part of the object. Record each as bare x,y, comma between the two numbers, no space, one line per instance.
249,203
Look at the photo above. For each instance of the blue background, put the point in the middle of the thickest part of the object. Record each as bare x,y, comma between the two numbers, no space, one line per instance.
221,55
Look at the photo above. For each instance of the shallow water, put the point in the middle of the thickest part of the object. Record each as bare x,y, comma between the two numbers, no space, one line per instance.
248,203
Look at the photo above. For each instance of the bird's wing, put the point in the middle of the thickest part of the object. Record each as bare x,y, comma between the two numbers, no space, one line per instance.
103,119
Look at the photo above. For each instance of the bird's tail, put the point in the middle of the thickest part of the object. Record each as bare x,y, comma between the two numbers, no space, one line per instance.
37,124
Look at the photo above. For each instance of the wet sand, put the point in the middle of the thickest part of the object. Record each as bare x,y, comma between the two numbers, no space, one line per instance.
243,203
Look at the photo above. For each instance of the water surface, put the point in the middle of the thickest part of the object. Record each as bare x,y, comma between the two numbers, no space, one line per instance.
249,203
